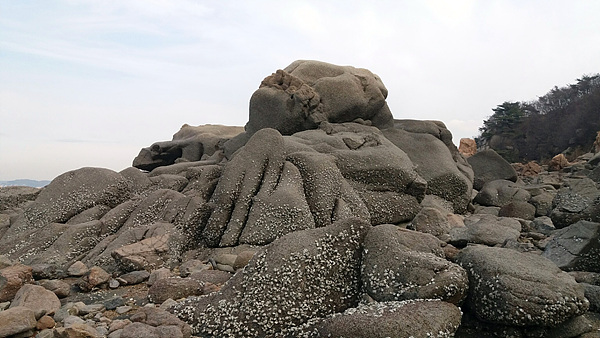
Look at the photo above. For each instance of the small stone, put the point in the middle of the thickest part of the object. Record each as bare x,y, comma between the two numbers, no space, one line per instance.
116,334
167,304
114,302
191,266
158,274
134,277
46,322
81,330
4,306
72,320
47,271
16,320
123,309
38,299
118,324
77,269
225,267
12,279
92,308
60,288
45,333
5,262
102,331
243,258
113,283
226,259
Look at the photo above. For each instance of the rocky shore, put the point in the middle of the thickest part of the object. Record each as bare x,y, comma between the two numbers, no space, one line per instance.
323,217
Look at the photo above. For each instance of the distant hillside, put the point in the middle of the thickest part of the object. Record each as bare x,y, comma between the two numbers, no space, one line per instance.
24,182
565,120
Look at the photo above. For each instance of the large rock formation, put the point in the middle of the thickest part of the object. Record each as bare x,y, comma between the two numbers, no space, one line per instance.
324,216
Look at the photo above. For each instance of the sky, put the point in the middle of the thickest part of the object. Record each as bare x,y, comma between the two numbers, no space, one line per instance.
90,83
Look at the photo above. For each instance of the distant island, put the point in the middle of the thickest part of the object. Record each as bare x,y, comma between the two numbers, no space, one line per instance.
24,182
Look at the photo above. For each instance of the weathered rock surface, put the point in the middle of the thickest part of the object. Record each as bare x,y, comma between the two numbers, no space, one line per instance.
38,299
578,199
501,192
17,320
489,166
519,289
12,278
308,93
189,144
576,247
284,228
302,275
485,229
400,264
391,319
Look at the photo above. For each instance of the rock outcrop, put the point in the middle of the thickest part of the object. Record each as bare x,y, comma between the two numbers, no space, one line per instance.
324,216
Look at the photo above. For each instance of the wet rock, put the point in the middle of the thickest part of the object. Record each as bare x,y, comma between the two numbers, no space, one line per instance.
576,247
592,294
400,264
12,279
498,277
17,320
38,299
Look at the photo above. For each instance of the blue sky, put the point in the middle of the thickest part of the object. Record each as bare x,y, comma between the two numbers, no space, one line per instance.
89,83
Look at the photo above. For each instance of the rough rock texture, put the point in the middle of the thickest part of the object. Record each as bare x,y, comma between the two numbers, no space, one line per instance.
485,229
501,192
578,199
302,275
189,144
17,320
467,147
12,278
38,299
519,289
38,227
174,288
576,247
489,166
400,264
308,93
436,159
391,319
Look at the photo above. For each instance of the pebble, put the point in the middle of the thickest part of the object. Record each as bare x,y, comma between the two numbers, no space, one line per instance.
77,269
123,309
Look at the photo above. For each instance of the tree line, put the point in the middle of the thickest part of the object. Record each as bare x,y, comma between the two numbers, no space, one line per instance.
565,120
